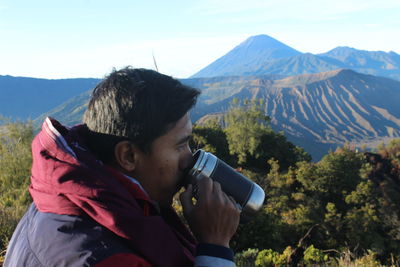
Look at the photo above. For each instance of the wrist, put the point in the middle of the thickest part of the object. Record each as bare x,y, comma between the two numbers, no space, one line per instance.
214,241
207,249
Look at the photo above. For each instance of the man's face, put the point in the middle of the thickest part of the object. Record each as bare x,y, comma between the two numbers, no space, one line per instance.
162,169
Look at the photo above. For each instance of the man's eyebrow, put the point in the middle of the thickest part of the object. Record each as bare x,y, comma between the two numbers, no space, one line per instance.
184,139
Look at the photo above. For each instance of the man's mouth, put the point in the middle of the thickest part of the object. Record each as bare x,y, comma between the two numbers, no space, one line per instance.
185,178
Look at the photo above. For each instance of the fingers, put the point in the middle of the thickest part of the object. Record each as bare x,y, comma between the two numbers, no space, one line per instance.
222,196
204,190
205,184
219,194
214,217
237,205
216,188
186,199
208,188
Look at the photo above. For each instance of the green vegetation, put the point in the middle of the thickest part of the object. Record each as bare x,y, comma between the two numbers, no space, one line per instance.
341,211
247,139
15,164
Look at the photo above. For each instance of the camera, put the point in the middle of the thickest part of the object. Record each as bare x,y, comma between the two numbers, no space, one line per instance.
249,195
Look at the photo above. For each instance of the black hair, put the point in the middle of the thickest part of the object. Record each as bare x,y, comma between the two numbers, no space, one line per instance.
138,104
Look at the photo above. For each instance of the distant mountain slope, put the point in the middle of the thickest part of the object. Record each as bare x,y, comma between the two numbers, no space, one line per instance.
247,56
332,107
269,56
23,98
341,106
300,64
219,88
69,113
377,63
316,111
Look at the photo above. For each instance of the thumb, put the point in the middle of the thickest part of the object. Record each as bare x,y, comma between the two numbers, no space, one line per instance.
186,199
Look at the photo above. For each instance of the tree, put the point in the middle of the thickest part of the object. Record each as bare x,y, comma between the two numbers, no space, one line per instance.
245,125
211,137
391,151
253,141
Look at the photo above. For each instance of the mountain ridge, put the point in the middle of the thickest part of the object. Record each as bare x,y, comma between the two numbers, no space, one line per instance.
26,98
251,51
317,111
333,108
237,63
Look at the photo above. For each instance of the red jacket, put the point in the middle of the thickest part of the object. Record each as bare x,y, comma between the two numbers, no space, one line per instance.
68,179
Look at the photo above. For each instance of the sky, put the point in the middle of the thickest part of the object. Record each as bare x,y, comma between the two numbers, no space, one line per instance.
88,38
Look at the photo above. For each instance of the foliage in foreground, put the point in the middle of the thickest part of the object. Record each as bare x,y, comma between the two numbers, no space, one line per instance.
15,164
312,257
349,201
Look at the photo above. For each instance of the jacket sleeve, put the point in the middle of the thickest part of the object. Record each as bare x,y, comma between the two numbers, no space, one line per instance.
208,255
123,260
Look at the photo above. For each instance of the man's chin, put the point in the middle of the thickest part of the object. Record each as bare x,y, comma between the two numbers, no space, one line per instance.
170,200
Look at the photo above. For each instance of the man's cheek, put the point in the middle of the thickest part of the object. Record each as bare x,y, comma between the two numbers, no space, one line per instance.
161,171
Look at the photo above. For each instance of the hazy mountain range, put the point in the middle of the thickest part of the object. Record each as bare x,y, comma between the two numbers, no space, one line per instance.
320,101
23,98
262,54
317,111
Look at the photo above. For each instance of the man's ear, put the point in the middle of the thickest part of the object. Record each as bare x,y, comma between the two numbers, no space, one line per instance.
126,155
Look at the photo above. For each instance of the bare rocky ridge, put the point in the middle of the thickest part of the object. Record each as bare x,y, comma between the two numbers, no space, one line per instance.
335,107
330,107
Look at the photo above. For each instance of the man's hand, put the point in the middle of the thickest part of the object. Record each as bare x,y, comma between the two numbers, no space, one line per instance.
215,216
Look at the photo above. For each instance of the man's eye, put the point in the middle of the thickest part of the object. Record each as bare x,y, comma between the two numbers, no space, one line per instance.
183,146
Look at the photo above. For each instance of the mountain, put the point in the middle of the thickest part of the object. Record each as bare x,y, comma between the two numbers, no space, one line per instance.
300,64
331,107
247,56
377,63
69,112
263,55
24,98
323,110
316,111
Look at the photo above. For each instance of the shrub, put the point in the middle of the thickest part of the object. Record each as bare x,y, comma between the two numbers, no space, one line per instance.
15,165
313,255
246,258
266,258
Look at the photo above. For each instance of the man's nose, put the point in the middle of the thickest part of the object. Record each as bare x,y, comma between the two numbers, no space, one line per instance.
187,159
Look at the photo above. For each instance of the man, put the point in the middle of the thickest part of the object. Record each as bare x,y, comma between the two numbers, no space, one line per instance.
102,191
